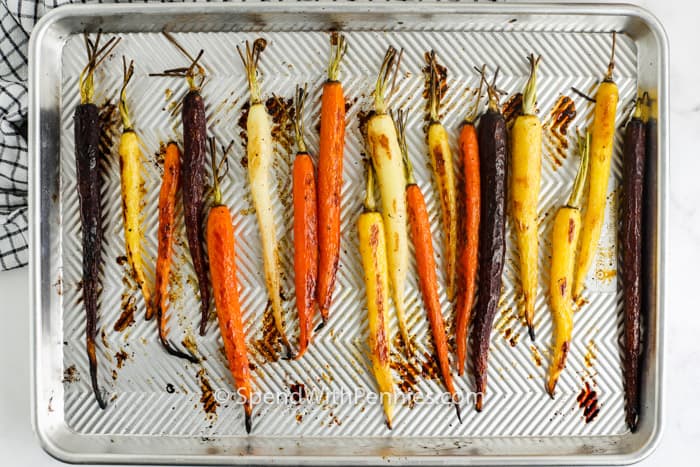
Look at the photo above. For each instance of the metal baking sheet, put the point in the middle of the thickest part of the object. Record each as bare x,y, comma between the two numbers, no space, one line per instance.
162,409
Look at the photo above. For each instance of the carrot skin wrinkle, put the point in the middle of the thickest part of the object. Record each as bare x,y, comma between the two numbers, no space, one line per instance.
493,153
330,184
222,264
193,180
87,157
469,253
305,244
631,238
427,278
166,228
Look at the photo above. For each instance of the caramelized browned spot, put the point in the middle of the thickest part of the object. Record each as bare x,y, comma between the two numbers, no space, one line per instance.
381,349
513,107
243,125
209,403
269,345
408,373
536,357
282,112
121,357
439,160
588,401
572,228
590,355
564,352
429,367
71,375
126,318
562,114
562,286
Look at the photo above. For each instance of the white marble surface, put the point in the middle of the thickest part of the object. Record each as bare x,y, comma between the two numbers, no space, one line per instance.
681,437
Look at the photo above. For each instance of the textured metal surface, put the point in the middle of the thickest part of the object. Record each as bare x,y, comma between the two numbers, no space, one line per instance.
153,394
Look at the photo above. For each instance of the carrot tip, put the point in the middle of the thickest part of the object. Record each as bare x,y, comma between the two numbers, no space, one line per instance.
479,402
321,325
459,412
172,349
100,398
248,422
551,385
531,331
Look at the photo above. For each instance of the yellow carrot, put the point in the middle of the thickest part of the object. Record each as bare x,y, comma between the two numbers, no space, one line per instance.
132,197
370,227
602,135
443,171
526,165
565,233
383,146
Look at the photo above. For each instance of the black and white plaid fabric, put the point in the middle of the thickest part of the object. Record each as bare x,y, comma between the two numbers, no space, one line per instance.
17,18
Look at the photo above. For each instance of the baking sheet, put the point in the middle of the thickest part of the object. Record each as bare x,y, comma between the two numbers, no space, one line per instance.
153,394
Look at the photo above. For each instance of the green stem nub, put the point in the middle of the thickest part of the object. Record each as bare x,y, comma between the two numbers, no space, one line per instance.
400,121
388,72
434,88
584,145
250,62
123,109
530,92
470,118
299,101
611,65
338,49
95,56
191,73
491,89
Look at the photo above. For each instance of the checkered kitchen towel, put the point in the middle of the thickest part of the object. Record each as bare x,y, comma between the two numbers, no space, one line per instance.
17,18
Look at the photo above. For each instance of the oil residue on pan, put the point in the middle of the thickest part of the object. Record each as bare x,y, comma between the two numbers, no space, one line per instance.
556,141
588,401
512,108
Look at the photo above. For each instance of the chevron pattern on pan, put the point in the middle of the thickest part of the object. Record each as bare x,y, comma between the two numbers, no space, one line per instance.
516,404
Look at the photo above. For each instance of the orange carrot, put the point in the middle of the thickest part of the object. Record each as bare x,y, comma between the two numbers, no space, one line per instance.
305,228
330,176
166,226
419,223
222,268
469,250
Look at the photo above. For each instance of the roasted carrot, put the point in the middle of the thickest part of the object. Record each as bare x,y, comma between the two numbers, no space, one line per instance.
193,170
330,178
602,136
425,263
166,229
222,267
383,147
526,164
260,160
633,166
305,228
469,247
370,227
87,165
493,157
443,172
565,232
132,198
